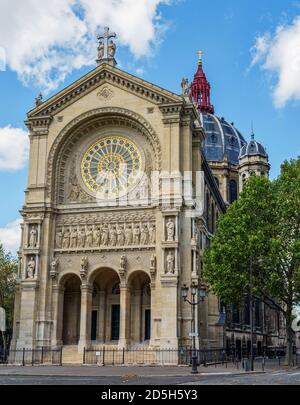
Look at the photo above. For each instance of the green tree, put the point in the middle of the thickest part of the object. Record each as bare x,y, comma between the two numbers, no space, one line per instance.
262,226
8,273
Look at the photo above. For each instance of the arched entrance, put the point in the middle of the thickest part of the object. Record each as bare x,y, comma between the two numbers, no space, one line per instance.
71,310
140,307
105,312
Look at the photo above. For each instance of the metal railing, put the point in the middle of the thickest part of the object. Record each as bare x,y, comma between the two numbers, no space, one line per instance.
32,357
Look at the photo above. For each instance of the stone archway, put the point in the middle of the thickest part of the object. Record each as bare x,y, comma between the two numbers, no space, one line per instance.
71,310
140,307
105,309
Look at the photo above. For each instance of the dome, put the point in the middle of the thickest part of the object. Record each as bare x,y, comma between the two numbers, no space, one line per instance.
253,148
223,141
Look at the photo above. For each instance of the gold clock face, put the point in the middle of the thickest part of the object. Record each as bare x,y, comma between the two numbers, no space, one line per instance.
112,166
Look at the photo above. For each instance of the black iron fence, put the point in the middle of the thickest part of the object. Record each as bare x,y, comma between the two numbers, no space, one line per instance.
32,357
183,356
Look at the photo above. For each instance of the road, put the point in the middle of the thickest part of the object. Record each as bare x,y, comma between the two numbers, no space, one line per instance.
274,378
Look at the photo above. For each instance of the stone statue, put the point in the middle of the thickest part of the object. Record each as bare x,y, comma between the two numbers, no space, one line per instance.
100,50
89,238
104,236
74,235
66,239
31,268
54,267
136,235
97,237
33,237
121,236
128,236
170,263
81,238
58,239
84,266
145,235
153,262
186,90
39,100
112,49
123,262
170,230
143,188
74,193
152,234
113,236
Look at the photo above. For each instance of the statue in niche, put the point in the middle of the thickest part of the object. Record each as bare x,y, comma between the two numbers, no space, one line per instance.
128,235
31,268
170,263
152,234
54,267
89,237
81,238
66,239
113,236
121,236
33,237
145,235
97,237
74,193
74,235
136,235
143,188
59,238
170,230
153,262
104,235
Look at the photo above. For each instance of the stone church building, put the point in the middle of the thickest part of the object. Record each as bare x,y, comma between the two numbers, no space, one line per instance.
126,183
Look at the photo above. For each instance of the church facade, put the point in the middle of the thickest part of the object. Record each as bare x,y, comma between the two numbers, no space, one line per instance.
121,203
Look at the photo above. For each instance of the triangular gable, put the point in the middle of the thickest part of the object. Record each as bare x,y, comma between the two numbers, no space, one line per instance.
100,75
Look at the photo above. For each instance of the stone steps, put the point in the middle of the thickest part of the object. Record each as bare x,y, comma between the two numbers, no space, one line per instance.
71,355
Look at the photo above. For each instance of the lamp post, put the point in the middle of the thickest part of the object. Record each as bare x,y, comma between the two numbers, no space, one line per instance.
251,314
202,293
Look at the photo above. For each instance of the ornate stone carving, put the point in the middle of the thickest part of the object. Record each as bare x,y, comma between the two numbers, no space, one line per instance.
89,238
66,239
33,238
170,230
60,147
145,235
121,235
153,266
59,238
123,266
186,89
152,234
81,238
112,236
106,93
84,267
30,273
54,268
128,235
74,236
104,235
97,237
136,235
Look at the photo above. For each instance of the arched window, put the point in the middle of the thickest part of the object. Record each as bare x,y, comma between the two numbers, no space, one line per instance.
233,191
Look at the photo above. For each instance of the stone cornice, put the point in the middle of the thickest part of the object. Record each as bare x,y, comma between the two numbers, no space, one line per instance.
100,75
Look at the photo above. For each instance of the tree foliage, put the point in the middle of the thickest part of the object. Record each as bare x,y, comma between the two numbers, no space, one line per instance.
262,226
8,273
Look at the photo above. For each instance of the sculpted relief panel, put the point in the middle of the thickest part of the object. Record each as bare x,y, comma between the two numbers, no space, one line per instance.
99,231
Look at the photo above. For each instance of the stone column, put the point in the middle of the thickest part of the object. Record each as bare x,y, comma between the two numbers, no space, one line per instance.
57,315
124,316
102,317
85,318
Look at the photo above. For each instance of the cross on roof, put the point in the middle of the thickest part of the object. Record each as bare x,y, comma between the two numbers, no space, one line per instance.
103,50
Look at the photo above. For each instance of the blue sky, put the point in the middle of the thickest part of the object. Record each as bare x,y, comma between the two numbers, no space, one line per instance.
249,50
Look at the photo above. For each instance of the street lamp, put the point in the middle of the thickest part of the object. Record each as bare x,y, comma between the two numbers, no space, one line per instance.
195,290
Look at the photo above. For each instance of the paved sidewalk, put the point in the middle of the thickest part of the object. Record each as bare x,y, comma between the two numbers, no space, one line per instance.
96,371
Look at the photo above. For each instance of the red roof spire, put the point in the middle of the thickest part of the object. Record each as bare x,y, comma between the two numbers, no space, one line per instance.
200,89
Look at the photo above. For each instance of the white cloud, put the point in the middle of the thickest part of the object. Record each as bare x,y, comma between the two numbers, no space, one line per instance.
14,146
10,236
280,55
45,40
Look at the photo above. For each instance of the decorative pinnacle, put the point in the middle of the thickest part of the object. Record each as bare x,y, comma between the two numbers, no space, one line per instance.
200,56
252,131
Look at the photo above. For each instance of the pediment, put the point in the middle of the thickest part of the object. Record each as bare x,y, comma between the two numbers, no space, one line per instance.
104,74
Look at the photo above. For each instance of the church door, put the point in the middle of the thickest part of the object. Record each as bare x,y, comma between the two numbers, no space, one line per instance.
115,322
147,324
94,325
